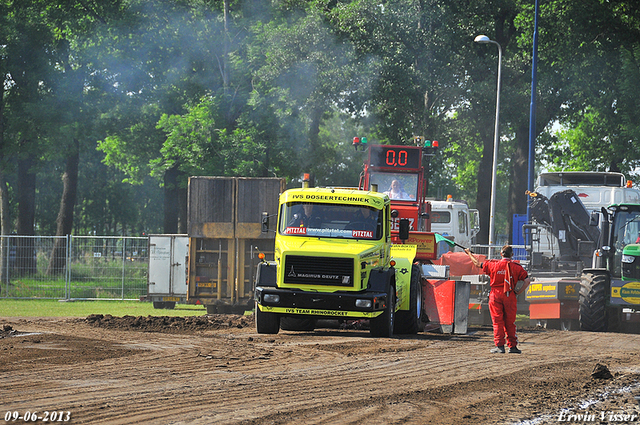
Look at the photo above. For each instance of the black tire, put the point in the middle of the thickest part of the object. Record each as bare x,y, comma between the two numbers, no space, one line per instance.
594,293
267,323
297,324
410,321
382,326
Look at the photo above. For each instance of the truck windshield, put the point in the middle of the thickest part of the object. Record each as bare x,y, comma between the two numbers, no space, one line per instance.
626,231
330,221
401,186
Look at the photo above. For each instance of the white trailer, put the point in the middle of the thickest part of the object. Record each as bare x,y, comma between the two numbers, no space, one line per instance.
167,278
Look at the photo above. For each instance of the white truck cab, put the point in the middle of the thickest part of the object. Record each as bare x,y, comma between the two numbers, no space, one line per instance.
595,189
455,220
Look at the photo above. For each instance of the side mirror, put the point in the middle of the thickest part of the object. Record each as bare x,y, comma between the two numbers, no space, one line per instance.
265,222
404,229
594,218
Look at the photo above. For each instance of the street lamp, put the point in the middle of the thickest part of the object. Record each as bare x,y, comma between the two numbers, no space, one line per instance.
492,214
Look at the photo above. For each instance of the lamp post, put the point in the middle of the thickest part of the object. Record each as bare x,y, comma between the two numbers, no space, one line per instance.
492,214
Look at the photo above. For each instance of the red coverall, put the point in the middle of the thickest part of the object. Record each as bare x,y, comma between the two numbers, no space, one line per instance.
503,308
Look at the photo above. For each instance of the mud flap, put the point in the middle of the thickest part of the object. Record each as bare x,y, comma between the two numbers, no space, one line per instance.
403,256
446,303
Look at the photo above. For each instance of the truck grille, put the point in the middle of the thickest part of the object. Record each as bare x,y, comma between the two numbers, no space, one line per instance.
330,271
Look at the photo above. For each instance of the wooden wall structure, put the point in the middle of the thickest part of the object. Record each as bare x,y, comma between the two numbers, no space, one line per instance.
224,226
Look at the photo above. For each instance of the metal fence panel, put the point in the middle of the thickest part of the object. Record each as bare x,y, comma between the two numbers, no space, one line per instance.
493,251
73,267
94,267
26,270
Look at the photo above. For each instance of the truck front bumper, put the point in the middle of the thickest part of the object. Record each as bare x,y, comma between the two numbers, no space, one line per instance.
321,304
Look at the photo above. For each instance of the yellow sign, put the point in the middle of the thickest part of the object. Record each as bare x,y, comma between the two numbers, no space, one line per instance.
426,242
629,292
176,299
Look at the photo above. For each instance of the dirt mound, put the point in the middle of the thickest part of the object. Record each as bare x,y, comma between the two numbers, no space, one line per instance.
7,330
170,324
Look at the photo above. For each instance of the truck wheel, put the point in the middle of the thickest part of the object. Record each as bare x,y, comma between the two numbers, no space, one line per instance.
297,324
267,323
410,321
593,302
382,326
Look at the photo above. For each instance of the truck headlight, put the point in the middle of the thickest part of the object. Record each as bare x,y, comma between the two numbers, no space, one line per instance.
271,298
628,258
363,303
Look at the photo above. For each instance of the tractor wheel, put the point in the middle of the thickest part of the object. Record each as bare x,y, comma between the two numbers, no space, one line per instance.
382,325
267,323
593,302
297,324
410,321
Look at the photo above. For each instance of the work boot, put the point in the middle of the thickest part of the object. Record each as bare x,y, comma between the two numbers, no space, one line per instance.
514,350
497,350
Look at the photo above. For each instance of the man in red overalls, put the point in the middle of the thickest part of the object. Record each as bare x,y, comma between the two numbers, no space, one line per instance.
503,305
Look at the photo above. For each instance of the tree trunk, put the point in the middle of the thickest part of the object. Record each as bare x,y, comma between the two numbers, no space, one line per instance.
182,203
483,196
64,222
4,201
225,57
519,177
5,226
25,252
171,208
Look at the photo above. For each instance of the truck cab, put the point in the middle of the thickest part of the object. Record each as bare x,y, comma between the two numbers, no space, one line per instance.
334,259
455,220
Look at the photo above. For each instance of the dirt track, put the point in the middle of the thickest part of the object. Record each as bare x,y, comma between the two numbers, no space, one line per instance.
217,369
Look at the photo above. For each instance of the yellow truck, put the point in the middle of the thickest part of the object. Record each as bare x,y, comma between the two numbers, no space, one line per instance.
334,259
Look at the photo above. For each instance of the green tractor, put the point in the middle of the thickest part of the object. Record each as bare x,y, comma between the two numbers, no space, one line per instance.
609,298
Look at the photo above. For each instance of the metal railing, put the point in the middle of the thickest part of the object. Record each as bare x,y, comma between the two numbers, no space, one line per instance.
493,251
95,267
73,267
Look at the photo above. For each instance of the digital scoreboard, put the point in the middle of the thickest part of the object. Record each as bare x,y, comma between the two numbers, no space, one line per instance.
396,157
